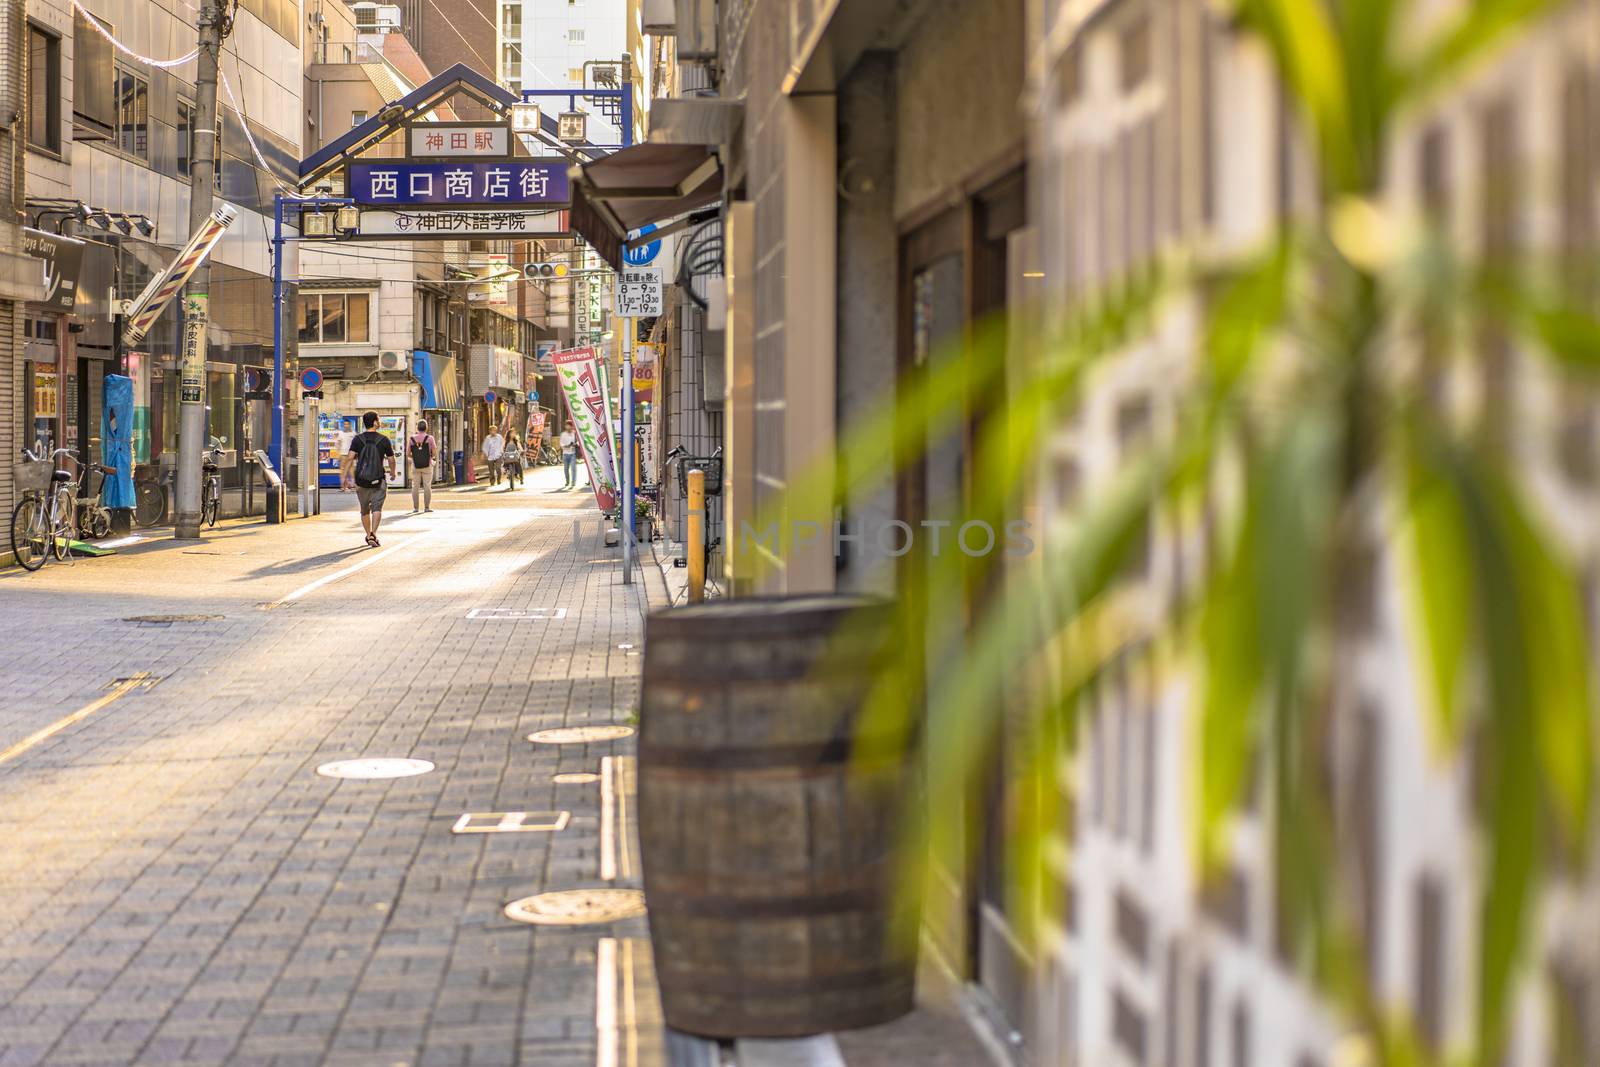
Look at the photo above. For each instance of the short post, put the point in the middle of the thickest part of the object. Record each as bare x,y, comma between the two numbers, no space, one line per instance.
695,544
277,506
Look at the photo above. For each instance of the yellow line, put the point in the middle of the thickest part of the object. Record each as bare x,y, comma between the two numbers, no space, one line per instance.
625,767
127,686
608,818
629,1009
605,1003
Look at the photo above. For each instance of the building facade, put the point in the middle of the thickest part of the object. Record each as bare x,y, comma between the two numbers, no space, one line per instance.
107,170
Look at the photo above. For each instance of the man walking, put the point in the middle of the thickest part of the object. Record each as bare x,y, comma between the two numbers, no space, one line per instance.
423,449
370,457
569,457
494,446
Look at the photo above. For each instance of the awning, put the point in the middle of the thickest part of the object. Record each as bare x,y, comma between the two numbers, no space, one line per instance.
639,185
438,377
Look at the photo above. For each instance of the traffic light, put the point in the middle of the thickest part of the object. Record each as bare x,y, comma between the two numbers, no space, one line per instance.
543,272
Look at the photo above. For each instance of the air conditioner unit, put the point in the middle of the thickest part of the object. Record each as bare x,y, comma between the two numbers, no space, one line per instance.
391,361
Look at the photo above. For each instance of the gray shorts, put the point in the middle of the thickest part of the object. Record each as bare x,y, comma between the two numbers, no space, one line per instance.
371,497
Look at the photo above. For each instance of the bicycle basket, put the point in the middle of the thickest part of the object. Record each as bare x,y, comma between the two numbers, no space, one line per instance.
712,465
32,476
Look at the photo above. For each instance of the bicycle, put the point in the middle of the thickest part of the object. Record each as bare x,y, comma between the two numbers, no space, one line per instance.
94,518
44,522
211,487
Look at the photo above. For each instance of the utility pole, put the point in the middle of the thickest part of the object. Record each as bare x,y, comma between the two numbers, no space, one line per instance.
202,191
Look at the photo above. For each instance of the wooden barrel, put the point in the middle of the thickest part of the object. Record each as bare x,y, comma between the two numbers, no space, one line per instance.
771,858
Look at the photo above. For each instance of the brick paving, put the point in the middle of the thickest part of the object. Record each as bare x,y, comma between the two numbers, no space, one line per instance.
179,885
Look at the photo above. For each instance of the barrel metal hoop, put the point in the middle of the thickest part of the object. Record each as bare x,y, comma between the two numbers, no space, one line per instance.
753,986
832,752
798,906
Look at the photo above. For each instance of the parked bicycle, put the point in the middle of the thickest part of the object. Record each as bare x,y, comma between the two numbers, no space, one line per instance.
153,496
94,518
211,485
45,520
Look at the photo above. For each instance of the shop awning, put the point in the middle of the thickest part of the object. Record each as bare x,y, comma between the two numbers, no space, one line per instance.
437,374
643,184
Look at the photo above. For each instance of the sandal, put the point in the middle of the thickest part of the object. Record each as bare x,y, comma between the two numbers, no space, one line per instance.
372,542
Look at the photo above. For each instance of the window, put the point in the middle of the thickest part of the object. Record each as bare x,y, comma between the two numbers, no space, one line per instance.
575,35
357,118
133,113
44,90
334,318
575,75
185,138
93,78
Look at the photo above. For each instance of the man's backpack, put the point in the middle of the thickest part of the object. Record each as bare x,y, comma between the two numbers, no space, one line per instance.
369,464
419,453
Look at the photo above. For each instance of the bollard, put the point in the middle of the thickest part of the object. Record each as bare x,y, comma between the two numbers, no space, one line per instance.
695,548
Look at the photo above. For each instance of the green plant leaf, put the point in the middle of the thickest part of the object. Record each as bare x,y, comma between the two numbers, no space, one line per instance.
1438,554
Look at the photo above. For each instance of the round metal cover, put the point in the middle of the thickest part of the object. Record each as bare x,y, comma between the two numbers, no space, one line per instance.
577,907
578,735
575,778
374,768
166,619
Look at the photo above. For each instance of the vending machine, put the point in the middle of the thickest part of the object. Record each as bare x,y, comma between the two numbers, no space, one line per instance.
334,432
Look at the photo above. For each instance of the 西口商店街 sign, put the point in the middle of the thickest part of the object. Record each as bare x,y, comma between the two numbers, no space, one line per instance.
521,182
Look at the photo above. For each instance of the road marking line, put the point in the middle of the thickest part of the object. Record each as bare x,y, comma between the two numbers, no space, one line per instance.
625,785
630,1013
605,1003
341,575
127,686
608,815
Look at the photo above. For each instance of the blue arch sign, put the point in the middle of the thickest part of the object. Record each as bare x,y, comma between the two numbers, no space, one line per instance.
643,255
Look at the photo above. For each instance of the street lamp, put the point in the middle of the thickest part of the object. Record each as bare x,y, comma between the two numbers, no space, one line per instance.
573,127
317,224
526,117
347,219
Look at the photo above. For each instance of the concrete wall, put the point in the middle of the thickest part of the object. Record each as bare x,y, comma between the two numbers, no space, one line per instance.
960,79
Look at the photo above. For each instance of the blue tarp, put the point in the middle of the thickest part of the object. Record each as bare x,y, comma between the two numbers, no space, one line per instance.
116,441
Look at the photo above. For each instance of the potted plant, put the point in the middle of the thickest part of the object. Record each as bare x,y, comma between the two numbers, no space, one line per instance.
644,520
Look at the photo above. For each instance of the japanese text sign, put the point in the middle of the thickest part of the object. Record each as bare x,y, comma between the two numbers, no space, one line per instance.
520,182
590,412
444,141
639,292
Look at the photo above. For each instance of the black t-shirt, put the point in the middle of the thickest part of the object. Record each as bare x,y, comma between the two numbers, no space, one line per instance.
358,444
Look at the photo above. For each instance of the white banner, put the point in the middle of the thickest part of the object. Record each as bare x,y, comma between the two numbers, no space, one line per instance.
584,389
424,222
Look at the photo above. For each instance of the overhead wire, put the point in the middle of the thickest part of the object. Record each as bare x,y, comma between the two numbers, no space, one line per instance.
99,28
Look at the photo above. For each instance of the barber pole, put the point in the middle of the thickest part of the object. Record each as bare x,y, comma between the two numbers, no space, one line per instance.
164,286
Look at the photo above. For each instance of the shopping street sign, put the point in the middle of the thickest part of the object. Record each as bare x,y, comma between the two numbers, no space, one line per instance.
522,182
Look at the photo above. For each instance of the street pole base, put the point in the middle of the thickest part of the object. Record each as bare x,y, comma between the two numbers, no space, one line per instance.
186,531
277,505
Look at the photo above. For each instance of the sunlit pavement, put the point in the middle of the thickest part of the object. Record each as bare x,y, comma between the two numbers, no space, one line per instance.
178,884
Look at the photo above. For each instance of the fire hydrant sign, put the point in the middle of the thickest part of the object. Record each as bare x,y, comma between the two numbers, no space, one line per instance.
639,293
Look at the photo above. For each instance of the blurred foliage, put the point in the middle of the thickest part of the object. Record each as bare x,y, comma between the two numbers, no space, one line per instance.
1308,441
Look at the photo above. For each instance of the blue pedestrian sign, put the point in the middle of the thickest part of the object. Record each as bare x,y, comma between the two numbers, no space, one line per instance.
643,255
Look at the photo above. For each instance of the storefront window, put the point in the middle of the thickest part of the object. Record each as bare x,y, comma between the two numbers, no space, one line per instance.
219,405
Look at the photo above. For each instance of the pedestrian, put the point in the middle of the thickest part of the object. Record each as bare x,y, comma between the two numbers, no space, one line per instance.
371,455
511,461
424,450
569,457
494,446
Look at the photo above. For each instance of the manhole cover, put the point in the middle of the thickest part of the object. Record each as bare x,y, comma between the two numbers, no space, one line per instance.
168,620
577,907
577,735
575,778
374,768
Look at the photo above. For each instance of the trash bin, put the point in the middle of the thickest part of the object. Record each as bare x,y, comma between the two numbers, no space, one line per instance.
461,467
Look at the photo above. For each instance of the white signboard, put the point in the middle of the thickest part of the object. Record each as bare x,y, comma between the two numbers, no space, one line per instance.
639,292
379,222
449,142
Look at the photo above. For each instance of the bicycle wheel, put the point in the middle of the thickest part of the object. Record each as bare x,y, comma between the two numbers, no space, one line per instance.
150,505
208,506
99,523
66,521
30,540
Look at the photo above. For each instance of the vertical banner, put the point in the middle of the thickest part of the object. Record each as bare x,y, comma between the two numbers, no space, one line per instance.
588,405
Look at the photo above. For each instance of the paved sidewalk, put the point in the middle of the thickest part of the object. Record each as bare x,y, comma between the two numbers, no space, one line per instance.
178,884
